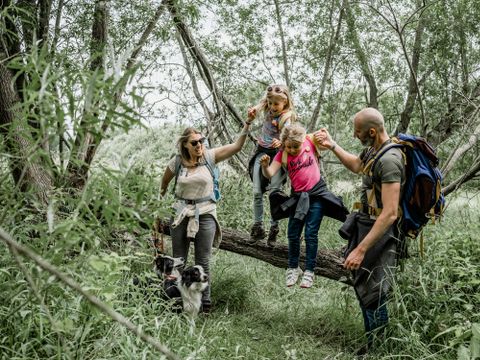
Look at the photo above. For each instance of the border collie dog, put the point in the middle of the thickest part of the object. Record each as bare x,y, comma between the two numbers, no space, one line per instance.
193,281
168,269
187,284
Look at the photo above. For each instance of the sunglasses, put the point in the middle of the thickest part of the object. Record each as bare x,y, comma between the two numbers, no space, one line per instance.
276,89
196,142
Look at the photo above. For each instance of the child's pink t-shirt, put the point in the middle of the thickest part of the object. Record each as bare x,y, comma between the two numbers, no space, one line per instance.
302,169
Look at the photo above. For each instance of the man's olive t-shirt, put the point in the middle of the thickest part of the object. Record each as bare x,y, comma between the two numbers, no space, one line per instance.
389,168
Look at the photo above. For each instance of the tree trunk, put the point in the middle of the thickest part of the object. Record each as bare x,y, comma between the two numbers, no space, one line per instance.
329,262
284,46
472,172
45,7
28,20
326,70
25,163
413,89
86,144
461,150
361,56
462,108
77,168
202,63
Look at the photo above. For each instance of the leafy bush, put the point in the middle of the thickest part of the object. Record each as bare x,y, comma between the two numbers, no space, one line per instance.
98,239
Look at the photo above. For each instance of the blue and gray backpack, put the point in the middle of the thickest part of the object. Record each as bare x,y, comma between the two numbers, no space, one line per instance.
422,198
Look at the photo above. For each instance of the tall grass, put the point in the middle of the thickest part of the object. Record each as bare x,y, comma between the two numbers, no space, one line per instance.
98,241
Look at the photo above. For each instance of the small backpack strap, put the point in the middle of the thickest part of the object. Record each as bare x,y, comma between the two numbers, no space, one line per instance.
210,162
284,159
315,144
283,120
370,164
178,165
373,210
212,167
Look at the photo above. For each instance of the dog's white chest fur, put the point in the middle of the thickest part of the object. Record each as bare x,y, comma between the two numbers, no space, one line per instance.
193,281
192,298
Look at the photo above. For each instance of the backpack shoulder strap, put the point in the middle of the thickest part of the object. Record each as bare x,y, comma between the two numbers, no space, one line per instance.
311,137
210,162
284,159
283,119
370,165
215,172
178,165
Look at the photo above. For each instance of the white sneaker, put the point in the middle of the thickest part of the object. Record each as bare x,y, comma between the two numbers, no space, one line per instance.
292,276
307,280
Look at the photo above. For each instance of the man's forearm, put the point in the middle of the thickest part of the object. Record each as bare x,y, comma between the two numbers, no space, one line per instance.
350,161
379,228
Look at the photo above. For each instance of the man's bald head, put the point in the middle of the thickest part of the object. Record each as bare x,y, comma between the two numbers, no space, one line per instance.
370,118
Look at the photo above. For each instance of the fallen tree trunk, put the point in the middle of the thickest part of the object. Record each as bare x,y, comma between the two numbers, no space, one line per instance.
329,262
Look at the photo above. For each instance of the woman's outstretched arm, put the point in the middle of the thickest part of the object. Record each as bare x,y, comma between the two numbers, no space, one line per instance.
226,151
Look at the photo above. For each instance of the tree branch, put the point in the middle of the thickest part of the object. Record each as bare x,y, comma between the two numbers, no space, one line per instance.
361,56
413,87
326,70
146,33
278,17
461,107
329,262
202,63
461,150
470,174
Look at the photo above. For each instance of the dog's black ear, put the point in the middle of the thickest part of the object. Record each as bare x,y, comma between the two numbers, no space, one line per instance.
160,263
188,276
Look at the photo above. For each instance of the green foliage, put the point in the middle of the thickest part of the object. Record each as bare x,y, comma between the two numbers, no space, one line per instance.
437,295
96,239
100,236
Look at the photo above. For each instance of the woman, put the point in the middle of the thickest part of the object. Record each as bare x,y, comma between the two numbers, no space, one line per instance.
196,217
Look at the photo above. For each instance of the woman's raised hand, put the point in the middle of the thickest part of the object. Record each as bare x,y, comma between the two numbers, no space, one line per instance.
251,113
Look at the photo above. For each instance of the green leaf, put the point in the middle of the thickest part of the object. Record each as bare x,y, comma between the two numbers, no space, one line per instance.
463,353
476,331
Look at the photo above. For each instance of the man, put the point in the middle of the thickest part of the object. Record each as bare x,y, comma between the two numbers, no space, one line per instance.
373,230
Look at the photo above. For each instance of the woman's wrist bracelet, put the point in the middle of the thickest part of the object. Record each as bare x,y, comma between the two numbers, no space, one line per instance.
334,146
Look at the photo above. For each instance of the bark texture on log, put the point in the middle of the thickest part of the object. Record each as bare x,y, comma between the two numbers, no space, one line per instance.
329,262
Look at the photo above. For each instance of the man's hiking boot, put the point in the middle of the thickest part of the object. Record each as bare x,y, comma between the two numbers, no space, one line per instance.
257,233
272,235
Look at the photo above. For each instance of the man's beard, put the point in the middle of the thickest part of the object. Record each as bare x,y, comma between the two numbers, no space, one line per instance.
368,142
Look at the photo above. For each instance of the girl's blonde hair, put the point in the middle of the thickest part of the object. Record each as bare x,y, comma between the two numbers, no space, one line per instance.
294,132
182,140
282,91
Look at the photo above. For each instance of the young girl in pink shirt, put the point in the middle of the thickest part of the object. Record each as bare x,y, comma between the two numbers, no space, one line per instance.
299,157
